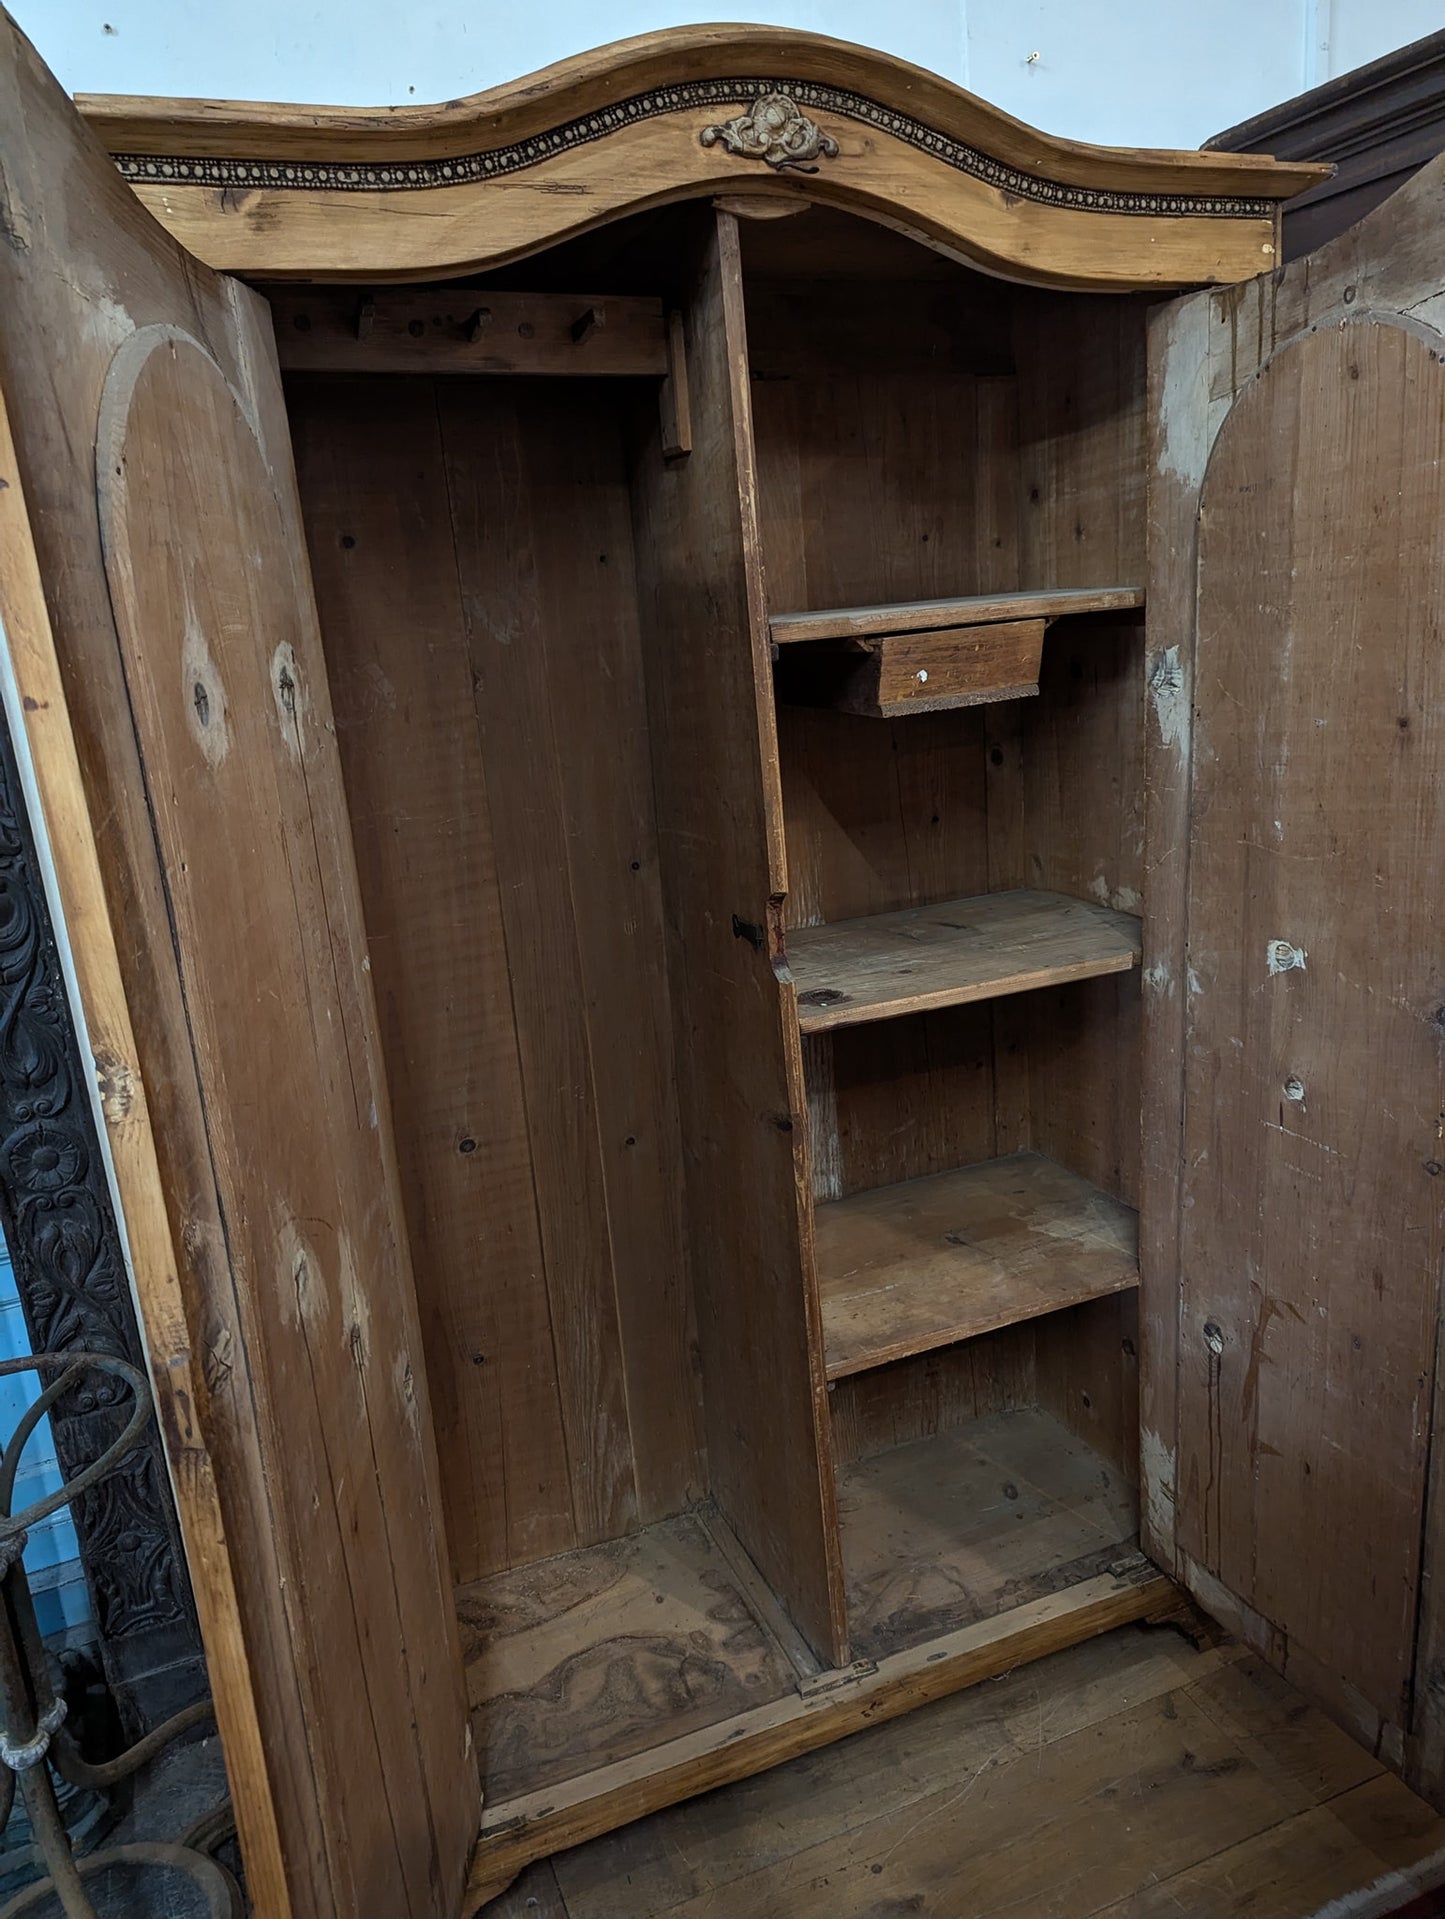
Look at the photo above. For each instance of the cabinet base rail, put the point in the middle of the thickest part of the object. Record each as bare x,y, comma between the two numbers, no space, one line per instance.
831,1705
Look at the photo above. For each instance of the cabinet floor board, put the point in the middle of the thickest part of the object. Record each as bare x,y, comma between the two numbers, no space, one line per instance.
531,1826
964,1525
1270,1809
581,1661
598,1654
905,1269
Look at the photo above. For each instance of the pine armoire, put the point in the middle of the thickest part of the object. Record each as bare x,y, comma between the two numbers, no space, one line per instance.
745,771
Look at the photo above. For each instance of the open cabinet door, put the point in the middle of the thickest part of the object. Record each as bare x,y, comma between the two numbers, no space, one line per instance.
1295,969
158,613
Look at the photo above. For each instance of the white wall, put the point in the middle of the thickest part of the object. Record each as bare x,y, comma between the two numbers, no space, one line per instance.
1131,72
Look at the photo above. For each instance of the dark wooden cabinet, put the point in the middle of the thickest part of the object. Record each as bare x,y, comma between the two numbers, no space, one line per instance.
747,820
1376,126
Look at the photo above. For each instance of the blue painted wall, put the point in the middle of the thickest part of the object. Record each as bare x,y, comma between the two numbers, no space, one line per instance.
52,1554
1126,72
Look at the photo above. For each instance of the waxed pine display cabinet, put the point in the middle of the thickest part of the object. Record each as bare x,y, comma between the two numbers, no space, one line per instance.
743,765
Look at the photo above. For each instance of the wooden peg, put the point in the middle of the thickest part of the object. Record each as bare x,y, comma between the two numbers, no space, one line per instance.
673,399
365,316
480,321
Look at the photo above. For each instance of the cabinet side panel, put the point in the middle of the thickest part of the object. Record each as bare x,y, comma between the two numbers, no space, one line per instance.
724,880
184,634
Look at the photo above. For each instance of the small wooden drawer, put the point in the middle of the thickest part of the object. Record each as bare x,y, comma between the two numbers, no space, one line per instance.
956,666
887,676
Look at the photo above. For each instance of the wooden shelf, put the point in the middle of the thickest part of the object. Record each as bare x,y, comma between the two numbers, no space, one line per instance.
854,971
904,1269
925,616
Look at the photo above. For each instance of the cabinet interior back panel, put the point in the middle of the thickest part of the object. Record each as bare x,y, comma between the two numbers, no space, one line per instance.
1081,456
1065,812
472,549
879,468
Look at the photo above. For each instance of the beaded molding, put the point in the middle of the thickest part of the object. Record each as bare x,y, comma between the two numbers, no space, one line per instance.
472,169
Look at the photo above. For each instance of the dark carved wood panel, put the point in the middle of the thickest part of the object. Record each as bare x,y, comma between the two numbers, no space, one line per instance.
1378,124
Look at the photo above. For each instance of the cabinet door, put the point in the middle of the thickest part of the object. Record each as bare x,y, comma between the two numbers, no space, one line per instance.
1295,971
159,618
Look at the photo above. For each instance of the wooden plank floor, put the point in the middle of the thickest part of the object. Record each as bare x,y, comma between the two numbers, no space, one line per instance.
1132,1777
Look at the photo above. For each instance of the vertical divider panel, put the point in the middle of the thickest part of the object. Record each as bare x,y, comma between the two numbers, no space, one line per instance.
1180,433
742,1093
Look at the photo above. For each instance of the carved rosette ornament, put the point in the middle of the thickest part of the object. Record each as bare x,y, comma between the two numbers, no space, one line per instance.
774,129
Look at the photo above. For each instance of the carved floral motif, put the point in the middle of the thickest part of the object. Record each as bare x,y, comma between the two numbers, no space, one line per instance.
774,129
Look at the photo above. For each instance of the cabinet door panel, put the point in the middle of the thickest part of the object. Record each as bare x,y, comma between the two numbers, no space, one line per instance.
156,601
1297,981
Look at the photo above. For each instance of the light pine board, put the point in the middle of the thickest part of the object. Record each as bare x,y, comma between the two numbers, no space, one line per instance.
540,510
922,616
383,562
821,1711
905,1268
1132,1776
1065,812
949,954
